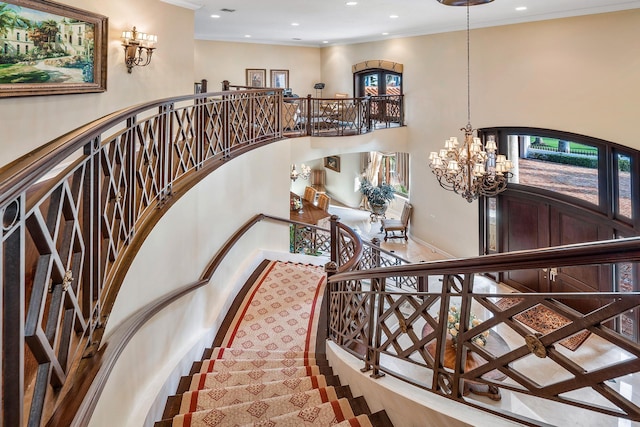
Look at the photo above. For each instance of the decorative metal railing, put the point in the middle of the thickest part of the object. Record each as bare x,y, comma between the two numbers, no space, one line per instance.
74,213
503,345
337,116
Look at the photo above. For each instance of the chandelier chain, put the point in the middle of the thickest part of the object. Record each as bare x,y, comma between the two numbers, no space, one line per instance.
468,71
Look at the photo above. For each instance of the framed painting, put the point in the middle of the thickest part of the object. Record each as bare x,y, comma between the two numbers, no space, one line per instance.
256,77
332,162
280,79
51,49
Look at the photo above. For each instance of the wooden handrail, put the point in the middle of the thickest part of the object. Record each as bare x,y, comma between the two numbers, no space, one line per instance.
602,252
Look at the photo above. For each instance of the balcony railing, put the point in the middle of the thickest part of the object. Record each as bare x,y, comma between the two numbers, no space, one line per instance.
337,116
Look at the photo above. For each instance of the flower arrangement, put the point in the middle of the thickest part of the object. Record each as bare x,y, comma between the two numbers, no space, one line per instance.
453,327
377,195
296,203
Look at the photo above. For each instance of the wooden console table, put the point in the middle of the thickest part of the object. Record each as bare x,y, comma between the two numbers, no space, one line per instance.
309,214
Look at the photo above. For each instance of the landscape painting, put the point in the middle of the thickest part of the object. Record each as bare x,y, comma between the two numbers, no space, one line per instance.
48,48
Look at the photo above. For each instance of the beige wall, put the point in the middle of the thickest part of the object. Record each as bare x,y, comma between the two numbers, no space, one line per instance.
28,122
175,254
218,61
574,74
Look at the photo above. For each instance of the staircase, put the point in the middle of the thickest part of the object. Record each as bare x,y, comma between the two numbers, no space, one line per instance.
265,370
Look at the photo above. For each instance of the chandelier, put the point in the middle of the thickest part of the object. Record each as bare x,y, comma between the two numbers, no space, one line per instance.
305,172
473,169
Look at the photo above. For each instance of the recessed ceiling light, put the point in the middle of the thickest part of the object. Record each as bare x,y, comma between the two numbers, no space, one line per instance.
393,16
247,35
215,16
385,34
325,41
521,8
294,24
351,3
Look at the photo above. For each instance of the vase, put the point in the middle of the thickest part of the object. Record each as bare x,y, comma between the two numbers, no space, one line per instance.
379,209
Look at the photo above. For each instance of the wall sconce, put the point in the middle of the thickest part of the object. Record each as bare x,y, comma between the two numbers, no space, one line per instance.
138,48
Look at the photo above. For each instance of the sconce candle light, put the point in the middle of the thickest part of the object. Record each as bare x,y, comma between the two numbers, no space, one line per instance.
138,48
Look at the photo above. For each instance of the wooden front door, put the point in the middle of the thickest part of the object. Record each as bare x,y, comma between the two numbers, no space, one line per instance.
530,222
568,227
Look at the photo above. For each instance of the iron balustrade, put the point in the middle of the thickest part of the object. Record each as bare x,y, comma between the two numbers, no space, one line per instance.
312,116
74,213
406,333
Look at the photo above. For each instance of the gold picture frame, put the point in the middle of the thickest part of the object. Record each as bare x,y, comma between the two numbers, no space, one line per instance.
332,162
32,65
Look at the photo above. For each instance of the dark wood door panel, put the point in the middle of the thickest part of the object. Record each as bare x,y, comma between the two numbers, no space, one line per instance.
525,226
569,227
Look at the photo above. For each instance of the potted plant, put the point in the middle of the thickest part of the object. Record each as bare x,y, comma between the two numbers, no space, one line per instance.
378,197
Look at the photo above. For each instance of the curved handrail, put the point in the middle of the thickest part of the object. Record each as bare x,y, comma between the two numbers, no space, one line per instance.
26,170
607,251
354,259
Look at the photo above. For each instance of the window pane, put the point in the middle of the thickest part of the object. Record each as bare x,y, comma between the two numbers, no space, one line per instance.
624,186
371,84
626,282
394,83
492,230
565,167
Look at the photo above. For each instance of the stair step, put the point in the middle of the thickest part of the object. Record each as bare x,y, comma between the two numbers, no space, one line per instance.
321,415
225,396
221,365
232,378
359,421
359,406
234,352
254,386
257,410
380,419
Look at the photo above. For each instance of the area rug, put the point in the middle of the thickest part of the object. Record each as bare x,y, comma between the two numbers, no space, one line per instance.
544,320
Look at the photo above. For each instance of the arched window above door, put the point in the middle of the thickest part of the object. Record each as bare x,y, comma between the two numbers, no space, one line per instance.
377,77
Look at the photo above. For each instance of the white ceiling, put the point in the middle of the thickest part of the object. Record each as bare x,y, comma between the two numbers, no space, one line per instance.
331,22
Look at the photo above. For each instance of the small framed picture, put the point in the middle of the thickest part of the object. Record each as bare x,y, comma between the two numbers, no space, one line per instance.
332,162
280,79
256,77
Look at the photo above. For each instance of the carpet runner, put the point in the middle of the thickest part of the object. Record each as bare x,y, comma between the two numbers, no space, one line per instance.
544,320
266,372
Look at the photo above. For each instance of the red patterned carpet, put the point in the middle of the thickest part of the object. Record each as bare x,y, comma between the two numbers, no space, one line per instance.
265,372
544,320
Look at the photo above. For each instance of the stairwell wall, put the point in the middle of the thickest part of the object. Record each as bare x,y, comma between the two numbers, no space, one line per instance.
175,254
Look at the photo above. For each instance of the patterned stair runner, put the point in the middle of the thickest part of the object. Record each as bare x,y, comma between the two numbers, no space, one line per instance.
266,372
